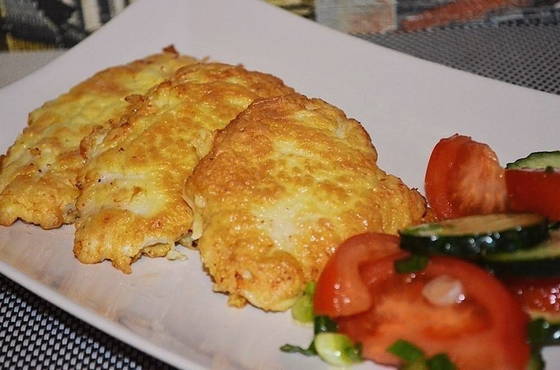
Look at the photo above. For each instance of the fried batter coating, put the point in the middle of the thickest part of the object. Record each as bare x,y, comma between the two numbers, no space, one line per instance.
131,202
287,181
38,174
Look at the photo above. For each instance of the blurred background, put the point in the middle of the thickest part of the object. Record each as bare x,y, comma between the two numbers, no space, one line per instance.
515,41
60,24
49,24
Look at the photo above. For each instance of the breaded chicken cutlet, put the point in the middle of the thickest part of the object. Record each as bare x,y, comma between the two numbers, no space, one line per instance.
131,201
38,173
287,181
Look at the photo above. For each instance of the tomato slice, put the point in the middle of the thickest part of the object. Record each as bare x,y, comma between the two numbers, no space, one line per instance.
340,289
464,178
537,295
486,329
534,191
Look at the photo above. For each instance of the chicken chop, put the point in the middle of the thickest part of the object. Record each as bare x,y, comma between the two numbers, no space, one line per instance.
285,183
38,173
131,201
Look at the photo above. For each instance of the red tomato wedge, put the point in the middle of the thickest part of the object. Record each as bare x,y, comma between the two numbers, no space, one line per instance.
484,329
537,295
340,289
464,178
534,191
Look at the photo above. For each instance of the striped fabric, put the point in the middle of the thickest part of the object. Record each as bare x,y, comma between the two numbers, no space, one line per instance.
36,24
41,24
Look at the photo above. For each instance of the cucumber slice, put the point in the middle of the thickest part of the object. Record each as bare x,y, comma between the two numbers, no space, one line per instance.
537,160
552,318
542,260
543,333
476,236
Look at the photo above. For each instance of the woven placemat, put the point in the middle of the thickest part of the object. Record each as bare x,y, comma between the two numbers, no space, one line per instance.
36,334
526,54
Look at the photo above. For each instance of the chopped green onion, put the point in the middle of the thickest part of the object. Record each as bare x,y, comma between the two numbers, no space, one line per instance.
302,310
289,348
324,324
414,263
337,349
310,288
419,364
440,361
406,351
536,362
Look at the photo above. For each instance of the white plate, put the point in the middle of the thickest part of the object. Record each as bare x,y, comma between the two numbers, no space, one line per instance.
167,309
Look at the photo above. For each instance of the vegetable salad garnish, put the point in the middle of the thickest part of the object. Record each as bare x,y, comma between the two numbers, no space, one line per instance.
478,289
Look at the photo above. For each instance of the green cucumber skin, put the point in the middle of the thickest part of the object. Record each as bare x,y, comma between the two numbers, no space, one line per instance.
543,333
540,261
475,246
532,268
537,160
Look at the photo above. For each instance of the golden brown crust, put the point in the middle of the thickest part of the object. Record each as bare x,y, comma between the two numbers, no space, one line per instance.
286,182
38,174
131,202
